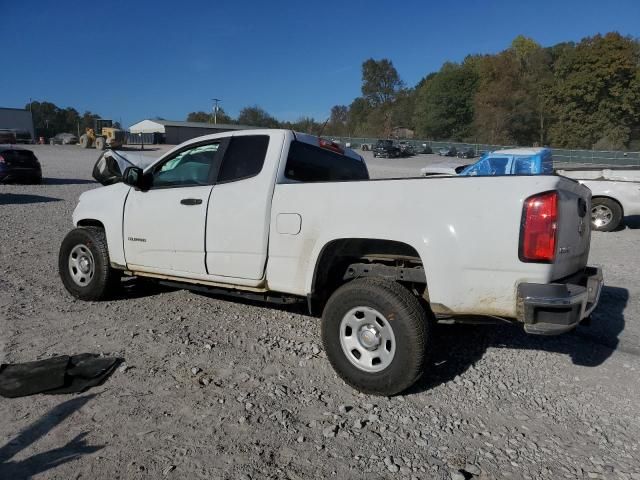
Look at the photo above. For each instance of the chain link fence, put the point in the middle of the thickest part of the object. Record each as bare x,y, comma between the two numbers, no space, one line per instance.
562,157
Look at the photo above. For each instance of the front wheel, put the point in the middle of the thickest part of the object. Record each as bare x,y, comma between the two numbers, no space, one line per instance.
376,335
83,264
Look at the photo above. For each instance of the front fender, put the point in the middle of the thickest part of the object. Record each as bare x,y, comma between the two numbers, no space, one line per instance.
106,206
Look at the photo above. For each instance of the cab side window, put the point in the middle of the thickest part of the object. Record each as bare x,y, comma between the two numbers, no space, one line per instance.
190,167
244,158
524,165
498,165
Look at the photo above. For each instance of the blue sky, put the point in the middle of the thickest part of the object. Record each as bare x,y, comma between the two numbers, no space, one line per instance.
135,60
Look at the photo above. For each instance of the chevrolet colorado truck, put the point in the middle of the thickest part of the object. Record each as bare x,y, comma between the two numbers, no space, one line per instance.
283,216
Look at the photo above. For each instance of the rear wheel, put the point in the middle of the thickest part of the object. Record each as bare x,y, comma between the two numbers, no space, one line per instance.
606,214
84,141
375,334
83,264
100,143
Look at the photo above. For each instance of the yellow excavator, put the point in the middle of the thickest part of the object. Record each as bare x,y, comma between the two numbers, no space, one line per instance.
103,135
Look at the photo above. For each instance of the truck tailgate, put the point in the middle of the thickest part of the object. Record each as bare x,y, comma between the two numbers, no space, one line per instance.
573,230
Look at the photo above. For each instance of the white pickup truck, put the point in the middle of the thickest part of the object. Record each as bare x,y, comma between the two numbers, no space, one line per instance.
284,216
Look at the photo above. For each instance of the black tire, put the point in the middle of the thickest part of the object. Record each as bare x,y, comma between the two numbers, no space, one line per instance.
100,143
104,280
84,141
613,207
409,321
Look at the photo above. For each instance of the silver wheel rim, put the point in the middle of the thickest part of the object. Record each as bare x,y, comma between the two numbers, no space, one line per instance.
81,265
601,215
367,339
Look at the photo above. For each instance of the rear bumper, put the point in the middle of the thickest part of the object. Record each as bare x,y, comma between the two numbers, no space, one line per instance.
555,308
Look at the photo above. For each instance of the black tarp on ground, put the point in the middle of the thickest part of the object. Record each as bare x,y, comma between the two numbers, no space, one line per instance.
62,374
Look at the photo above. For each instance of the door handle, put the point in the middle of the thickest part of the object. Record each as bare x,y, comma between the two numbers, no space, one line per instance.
191,201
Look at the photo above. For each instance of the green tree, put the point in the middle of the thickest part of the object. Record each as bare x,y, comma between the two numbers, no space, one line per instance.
402,111
304,125
199,116
49,119
359,111
596,93
445,102
380,81
337,124
205,117
257,117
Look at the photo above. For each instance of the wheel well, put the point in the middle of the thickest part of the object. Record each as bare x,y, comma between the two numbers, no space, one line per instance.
609,198
335,266
89,222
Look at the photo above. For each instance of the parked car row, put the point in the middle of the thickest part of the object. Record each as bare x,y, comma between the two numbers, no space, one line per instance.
615,191
404,148
390,149
452,151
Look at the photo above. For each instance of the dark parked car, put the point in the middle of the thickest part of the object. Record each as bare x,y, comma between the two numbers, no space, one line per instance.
19,165
426,148
7,137
406,149
449,151
467,152
386,149
63,139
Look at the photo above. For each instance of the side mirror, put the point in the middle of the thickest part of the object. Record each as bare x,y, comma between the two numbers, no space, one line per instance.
133,177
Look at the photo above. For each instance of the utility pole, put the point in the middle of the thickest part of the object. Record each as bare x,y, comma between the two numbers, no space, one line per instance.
215,110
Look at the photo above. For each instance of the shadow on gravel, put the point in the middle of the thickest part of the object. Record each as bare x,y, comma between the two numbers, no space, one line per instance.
138,288
22,199
458,347
299,308
41,462
67,181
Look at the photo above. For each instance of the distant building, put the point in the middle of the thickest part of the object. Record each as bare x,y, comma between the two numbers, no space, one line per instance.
402,132
17,119
178,132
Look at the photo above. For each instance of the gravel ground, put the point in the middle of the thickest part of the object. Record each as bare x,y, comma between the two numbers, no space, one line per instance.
233,390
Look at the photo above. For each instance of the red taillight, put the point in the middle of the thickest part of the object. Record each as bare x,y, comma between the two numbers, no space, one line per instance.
539,228
2,159
322,143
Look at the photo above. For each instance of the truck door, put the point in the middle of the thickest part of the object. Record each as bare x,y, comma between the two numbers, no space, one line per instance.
164,226
239,212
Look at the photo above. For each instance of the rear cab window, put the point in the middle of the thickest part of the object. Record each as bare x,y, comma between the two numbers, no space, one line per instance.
309,163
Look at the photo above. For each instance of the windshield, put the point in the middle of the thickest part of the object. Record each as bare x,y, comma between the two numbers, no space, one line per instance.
487,166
